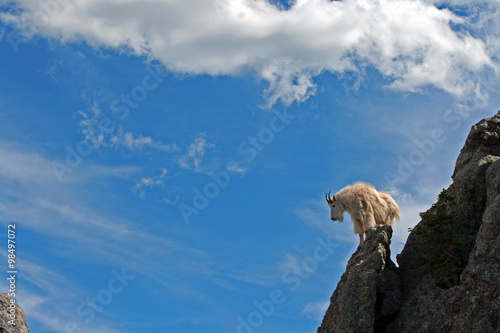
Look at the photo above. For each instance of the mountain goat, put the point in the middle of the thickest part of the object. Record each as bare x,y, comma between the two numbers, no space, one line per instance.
367,207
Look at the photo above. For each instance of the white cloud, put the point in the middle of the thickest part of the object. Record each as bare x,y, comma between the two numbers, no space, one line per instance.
127,140
171,202
17,164
51,300
316,310
21,164
37,201
236,168
78,230
193,159
288,263
145,182
412,43
112,135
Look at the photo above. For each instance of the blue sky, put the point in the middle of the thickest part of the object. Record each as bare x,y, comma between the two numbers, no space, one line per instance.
165,163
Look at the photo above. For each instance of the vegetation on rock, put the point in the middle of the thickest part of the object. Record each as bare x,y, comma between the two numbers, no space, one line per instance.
447,241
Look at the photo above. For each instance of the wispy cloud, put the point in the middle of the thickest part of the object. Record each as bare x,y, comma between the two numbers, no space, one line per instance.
113,135
23,164
61,213
316,310
51,300
171,202
413,44
128,140
145,182
261,277
193,159
237,168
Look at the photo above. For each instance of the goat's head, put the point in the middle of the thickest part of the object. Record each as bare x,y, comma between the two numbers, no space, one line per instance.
337,212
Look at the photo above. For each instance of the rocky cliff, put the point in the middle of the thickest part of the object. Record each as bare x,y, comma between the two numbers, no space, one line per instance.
369,291
6,326
448,278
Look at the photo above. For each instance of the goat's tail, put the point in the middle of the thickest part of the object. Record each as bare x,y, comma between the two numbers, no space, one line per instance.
392,207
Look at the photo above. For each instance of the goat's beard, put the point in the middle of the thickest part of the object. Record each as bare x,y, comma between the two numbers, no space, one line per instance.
340,218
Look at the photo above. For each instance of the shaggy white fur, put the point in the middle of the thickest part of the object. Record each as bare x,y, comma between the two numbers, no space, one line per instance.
367,207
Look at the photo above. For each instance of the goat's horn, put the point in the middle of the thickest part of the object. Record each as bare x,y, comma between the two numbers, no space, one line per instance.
328,197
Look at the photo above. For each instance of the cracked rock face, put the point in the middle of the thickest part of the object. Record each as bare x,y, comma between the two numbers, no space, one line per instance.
369,289
20,325
448,278
472,304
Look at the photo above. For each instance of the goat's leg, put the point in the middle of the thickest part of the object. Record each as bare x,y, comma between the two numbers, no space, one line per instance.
361,240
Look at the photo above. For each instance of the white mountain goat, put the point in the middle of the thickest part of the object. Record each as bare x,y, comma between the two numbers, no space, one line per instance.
367,207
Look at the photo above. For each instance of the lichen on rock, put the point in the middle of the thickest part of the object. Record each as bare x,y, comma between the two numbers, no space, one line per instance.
6,325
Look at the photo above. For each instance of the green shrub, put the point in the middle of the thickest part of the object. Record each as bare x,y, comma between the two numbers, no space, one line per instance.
447,241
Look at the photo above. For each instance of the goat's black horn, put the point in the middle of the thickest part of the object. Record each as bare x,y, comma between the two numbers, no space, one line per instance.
328,197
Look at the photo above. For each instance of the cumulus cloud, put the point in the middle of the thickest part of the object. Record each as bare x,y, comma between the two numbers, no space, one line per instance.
413,44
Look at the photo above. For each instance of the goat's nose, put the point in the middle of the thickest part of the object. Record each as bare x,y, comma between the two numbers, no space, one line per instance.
333,219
